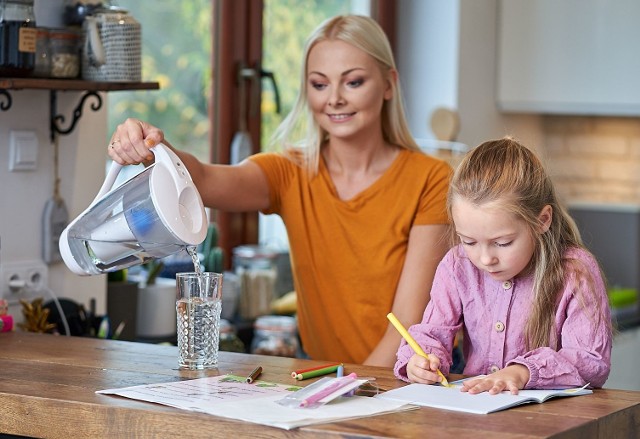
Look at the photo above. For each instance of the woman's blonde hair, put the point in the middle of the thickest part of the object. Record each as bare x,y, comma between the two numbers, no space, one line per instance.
300,134
505,172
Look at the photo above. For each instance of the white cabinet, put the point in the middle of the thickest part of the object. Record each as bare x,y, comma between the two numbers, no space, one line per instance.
569,56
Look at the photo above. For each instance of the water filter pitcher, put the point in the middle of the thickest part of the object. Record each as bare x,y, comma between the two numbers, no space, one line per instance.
156,213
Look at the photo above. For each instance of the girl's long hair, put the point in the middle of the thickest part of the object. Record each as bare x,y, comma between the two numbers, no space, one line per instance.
506,173
301,135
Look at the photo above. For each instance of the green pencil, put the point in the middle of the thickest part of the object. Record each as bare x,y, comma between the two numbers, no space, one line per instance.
317,372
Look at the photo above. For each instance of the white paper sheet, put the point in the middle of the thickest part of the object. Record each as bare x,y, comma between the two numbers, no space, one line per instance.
200,393
231,397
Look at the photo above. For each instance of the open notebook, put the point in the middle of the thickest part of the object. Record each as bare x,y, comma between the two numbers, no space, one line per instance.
451,398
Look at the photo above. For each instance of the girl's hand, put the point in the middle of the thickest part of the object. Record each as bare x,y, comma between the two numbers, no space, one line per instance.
511,378
131,141
422,370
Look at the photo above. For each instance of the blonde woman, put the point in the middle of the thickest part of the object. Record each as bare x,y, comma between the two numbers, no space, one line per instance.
365,210
529,297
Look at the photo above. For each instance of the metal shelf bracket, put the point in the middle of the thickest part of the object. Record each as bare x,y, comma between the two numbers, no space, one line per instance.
6,104
57,119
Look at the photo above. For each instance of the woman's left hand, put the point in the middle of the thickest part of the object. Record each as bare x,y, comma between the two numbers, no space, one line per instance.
511,378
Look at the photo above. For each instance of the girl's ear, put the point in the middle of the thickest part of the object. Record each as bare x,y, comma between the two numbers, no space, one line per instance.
545,217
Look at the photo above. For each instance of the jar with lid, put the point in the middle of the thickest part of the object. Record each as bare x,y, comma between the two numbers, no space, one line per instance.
255,266
229,340
276,336
18,37
64,48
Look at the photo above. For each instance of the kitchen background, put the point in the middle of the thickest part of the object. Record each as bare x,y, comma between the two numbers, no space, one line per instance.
461,54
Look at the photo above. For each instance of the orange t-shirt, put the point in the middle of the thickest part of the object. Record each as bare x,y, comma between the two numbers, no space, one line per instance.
347,256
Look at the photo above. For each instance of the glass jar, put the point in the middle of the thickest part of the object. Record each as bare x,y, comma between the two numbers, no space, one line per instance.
65,53
276,336
42,65
18,37
229,340
256,269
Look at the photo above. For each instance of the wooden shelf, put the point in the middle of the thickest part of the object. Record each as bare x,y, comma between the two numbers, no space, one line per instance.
90,89
73,84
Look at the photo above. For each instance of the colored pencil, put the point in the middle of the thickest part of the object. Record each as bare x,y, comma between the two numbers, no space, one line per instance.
254,375
295,373
412,342
317,372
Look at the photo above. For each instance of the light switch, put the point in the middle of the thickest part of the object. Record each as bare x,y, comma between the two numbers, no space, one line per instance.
23,154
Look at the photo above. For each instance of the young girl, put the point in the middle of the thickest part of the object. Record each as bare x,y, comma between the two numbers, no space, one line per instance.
529,297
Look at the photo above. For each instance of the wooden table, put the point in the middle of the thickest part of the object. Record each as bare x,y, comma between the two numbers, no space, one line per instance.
48,390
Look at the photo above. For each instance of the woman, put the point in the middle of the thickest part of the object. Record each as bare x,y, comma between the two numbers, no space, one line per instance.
364,208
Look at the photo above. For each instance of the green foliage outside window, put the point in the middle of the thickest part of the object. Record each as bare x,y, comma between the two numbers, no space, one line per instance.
176,52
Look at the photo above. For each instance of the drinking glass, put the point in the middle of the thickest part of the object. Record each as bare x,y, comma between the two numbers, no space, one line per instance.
198,306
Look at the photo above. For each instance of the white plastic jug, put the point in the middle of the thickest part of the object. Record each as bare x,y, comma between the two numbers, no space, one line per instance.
156,213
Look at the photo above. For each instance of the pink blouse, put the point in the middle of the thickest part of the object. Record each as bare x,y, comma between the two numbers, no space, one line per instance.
493,315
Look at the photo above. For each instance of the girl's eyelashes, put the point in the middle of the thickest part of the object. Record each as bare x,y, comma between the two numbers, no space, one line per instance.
355,82
497,244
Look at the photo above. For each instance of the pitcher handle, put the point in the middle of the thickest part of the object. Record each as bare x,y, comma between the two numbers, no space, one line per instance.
109,180
161,152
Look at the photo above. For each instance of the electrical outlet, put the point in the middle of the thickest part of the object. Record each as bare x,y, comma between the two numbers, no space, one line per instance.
23,279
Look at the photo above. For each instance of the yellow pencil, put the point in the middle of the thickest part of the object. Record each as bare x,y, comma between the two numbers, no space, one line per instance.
414,345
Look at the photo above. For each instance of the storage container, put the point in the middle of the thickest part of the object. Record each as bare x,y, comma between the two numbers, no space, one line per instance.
18,36
256,269
64,48
112,48
275,335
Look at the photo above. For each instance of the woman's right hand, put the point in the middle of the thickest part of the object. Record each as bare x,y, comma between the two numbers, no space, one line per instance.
131,141
423,370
